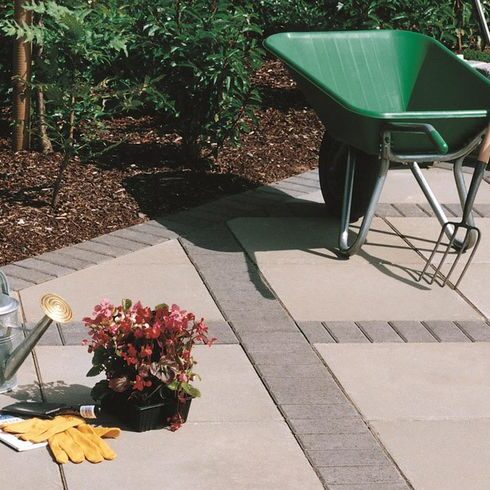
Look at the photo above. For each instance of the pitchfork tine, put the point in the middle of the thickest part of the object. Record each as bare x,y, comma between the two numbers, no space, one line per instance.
465,223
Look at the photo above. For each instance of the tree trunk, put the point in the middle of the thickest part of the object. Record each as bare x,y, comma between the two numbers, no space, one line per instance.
46,145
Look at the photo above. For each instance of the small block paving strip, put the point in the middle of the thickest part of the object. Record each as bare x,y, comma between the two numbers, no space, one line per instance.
283,355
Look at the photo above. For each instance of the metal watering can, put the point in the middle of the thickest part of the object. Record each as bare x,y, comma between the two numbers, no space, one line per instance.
14,347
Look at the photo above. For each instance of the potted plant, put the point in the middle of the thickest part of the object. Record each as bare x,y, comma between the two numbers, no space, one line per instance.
146,356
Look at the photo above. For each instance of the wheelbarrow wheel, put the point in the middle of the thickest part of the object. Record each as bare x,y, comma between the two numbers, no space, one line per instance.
332,167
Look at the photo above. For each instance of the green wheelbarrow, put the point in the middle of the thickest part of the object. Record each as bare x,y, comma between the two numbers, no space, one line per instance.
387,96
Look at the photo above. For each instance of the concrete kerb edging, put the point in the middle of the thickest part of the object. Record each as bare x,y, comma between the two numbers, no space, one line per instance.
270,200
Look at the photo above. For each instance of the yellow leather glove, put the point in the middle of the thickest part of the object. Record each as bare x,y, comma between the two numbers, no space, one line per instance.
83,442
40,430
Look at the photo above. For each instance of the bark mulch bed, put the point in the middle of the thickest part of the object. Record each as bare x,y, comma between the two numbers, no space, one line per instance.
145,177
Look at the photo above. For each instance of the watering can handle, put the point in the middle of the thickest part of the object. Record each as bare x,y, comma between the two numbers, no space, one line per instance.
4,284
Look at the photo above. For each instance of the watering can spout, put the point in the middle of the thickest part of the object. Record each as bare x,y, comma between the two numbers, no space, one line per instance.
55,309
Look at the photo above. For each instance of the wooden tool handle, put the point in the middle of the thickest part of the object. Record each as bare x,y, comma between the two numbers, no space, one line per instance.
484,154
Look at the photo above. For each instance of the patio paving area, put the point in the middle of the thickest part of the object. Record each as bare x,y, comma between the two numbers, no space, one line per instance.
344,374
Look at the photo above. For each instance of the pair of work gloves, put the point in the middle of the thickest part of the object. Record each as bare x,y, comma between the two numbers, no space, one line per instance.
69,437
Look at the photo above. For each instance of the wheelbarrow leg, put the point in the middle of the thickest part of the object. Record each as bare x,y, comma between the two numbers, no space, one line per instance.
344,247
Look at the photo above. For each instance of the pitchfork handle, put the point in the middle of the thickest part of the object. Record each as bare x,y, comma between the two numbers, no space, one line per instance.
481,164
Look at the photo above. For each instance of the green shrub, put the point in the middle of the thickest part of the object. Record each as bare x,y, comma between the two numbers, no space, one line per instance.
6,12
192,61
71,45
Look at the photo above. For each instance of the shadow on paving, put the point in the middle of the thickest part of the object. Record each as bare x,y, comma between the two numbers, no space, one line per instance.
221,239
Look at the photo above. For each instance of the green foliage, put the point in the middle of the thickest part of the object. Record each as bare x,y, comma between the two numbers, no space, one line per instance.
476,55
6,11
293,15
192,61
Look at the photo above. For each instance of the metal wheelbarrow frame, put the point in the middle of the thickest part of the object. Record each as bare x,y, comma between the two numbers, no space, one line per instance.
410,131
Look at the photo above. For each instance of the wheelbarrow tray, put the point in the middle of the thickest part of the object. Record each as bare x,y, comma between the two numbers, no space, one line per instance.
358,82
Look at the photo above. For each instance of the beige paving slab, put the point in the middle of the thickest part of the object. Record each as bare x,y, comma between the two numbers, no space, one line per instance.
422,233
442,454
157,274
414,381
363,292
30,469
313,284
27,387
246,455
314,241
231,389
475,286
401,187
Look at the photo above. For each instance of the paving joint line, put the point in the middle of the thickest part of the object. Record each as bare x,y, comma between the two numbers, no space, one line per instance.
263,378
380,443
252,361
456,290
363,331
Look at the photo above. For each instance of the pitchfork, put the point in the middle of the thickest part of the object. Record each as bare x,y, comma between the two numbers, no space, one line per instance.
464,224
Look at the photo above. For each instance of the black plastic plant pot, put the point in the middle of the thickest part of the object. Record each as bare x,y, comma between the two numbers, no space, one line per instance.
148,417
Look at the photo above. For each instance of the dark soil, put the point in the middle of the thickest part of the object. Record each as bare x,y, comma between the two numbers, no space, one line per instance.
145,176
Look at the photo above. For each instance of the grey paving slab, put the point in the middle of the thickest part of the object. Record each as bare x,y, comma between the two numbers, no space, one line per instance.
384,209
294,371
139,236
257,339
401,186
102,248
278,358
378,331
476,331
348,457
222,332
241,325
28,275
86,255
153,228
64,260
346,332
17,284
73,333
413,381
445,331
412,331
314,411
115,241
46,267
371,486
330,425
453,209
426,208
410,210
483,210
422,233
347,475
319,442
315,332
50,337
440,454
157,274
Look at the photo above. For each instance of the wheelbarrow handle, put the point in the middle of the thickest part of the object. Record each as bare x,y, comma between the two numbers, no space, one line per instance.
421,128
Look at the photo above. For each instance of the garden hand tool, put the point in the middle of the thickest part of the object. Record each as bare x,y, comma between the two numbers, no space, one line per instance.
464,225
40,430
83,442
